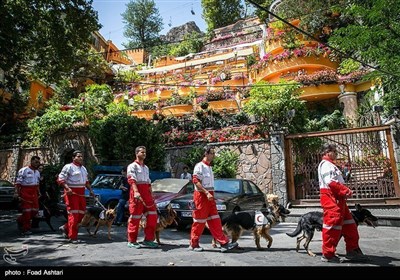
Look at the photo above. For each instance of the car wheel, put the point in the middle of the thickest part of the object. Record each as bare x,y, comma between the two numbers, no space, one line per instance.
112,204
236,209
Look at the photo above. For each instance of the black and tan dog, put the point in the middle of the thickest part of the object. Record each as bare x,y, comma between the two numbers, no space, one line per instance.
165,219
98,217
312,221
237,222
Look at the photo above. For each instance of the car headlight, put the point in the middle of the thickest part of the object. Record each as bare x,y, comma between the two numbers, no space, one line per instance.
175,206
221,207
163,204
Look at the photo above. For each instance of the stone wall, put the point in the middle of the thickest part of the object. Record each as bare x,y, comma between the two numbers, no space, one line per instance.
59,150
254,161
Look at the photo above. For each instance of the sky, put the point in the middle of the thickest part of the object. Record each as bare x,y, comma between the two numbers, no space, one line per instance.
175,12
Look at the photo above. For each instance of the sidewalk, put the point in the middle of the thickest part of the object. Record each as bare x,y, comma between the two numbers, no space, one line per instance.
49,249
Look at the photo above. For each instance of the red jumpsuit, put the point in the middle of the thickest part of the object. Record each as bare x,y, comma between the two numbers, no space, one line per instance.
140,175
27,184
337,220
76,177
206,210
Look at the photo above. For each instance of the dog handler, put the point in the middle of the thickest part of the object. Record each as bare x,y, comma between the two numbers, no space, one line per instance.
205,206
141,201
337,218
27,191
74,178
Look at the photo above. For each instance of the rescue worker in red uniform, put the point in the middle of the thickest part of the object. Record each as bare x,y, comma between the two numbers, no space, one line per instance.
141,202
27,192
205,206
74,178
337,218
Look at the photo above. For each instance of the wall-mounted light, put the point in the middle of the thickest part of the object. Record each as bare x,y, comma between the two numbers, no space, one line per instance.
342,87
276,139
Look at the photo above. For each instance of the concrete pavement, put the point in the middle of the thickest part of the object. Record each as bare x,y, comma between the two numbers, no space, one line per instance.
49,249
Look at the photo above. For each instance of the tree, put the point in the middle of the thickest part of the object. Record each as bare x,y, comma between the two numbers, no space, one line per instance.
272,104
225,164
365,30
116,137
41,39
220,13
143,24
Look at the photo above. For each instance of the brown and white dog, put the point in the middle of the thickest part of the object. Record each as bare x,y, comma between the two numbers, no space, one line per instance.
259,222
99,217
165,219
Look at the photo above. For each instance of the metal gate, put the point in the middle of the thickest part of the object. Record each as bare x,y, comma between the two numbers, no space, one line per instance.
365,156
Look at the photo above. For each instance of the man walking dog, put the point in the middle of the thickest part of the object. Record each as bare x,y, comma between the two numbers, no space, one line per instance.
205,206
27,191
337,218
141,201
74,178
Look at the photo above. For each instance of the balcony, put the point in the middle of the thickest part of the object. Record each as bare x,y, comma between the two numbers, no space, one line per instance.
177,110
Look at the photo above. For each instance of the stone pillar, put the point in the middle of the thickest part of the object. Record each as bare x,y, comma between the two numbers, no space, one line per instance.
349,101
278,170
15,160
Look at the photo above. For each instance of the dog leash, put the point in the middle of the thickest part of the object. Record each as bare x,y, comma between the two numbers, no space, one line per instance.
142,201
98,201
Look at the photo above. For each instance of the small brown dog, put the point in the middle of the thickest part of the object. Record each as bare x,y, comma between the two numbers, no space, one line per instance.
165,218
95,215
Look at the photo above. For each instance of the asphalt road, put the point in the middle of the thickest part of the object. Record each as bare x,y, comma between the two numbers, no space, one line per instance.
49,249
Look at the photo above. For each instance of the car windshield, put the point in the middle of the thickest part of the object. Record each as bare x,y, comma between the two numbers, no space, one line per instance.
106,181
170,185
227,186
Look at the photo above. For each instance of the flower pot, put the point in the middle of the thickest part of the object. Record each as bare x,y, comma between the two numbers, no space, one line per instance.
177,110
145,114
224,105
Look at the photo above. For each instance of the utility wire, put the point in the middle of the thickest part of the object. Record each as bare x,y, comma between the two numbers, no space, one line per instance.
318,40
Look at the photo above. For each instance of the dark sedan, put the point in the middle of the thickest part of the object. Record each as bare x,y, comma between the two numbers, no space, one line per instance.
231,195
7,191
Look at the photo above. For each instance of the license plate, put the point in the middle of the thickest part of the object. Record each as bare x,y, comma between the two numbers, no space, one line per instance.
187,214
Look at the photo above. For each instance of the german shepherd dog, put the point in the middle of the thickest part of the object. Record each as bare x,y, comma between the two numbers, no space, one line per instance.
96,216
237,222
312,221
165,219
48,203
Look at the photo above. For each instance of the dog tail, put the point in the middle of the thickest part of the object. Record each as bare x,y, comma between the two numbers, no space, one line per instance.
296,232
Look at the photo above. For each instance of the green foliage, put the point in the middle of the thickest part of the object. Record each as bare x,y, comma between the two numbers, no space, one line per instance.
348,65
43,37
94,101
327,122
221,13
225,164
192,43
116,137
143,23
250,60
271,104
54,120
261,14
193,156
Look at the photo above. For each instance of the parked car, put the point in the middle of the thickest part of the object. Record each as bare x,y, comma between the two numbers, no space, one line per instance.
106,187
7,191
164,190
231,195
